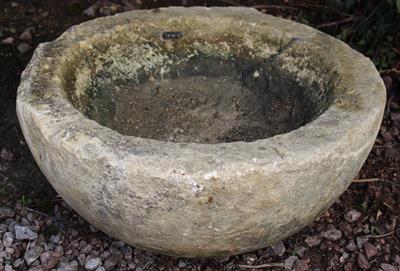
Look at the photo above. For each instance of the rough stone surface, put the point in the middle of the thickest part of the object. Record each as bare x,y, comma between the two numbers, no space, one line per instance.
69,266
289,262
6,212
332,234
8,267
23,47
363,262
9,40
352,216
361,241
388,267
370,250
313,240
351,246
111,262
301,265
279,248
8,239
7,155
33,254
192,199
92,264
24,233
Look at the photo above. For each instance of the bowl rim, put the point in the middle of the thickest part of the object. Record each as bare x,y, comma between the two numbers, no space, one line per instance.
64,125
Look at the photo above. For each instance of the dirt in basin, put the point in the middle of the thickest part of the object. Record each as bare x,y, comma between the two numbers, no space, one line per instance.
207,101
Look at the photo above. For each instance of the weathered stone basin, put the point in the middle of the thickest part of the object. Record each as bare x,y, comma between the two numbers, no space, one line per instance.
199,131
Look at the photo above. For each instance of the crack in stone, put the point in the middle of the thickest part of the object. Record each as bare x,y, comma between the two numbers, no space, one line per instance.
282,49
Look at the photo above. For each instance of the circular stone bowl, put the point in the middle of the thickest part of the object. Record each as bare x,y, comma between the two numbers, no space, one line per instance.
199,131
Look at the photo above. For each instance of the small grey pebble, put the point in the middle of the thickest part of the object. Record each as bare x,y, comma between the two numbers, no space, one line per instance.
26,35
181,263
344,257
332,235
279,248
388,267
9,250
35,263
3,228
289,262
68,266
351,246
24,233
9,40
313,240
23,47
90,11
111,262
301,265
361,241
11,226
29,216
352,216
86,249
33,254
370,250
93,263
81,259
363,262
118,244
6,212
18,262
7,155
93,228
55,239
25,222
300,251
8,239
45,257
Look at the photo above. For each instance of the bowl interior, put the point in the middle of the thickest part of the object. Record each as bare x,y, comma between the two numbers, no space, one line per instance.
189,88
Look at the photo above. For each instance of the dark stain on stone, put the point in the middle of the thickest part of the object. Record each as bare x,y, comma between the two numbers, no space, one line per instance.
172,35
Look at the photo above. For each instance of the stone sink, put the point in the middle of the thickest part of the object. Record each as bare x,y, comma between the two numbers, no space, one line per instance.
199,131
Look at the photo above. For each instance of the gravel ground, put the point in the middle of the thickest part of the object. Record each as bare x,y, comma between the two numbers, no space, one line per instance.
39,231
